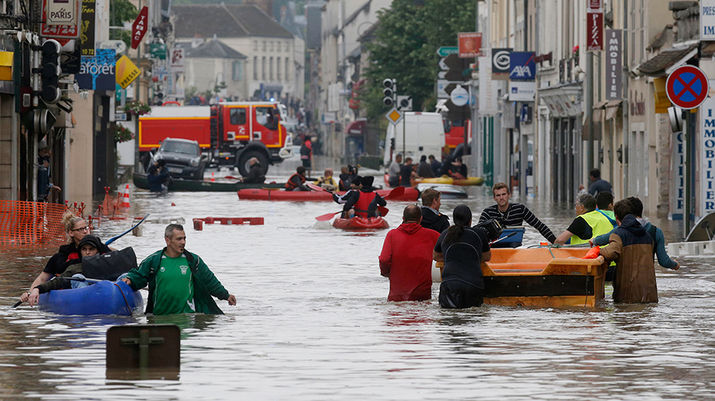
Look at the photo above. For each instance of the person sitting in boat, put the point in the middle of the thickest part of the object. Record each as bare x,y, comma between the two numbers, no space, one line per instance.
588,224
353,188
179,281
296,182
68,254
365,201
462,249
424,170
407,173
255,172
512,214
110,266
431,217
393,172
406,258
631,247
457,170
327,181
158,176
435,164
656,233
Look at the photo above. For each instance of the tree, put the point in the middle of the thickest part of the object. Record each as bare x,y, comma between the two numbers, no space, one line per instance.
121,11
406,41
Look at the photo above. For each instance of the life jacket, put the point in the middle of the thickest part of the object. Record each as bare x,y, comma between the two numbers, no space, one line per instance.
290,185
599,225
363,203
613,221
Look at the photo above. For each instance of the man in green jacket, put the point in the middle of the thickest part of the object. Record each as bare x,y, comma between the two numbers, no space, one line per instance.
179,281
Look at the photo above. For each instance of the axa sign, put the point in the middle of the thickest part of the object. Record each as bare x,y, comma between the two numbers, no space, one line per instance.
522,66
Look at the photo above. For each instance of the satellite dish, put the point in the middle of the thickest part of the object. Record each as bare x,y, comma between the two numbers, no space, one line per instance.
118,45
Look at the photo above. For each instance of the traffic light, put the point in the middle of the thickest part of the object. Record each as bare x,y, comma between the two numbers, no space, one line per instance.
50,71
390,91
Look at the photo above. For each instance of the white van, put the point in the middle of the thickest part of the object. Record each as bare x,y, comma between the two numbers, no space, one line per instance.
423,133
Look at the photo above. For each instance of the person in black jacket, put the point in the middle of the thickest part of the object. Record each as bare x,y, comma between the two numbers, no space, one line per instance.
431,217
255,172
68,254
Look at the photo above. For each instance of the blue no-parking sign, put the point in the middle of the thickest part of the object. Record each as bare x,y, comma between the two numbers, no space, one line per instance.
687,87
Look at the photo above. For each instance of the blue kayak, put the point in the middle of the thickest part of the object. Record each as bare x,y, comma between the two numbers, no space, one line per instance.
509,238
102,298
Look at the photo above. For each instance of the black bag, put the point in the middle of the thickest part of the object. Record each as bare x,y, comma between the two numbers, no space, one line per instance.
109,266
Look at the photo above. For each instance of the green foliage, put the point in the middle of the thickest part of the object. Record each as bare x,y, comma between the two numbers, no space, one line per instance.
121,11
405,45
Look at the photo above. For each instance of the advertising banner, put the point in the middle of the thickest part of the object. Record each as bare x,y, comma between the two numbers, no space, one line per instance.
87,37
614,64
594,31
127,72
469,44
522,66
707,20
706,158
98,72
61,26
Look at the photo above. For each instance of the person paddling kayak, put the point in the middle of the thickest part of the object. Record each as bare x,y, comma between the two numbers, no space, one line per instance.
365,201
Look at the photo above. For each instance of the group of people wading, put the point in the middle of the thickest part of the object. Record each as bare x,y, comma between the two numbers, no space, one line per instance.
628,242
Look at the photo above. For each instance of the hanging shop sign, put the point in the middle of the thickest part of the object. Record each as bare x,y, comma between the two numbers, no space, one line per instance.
98,72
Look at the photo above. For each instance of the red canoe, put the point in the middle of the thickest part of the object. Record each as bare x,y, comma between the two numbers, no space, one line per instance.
361,223
410,195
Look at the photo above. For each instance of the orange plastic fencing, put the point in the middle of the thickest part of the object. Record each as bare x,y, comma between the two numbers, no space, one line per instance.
31,224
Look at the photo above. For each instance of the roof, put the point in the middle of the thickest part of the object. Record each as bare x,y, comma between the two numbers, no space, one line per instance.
225,21
658,64
213,48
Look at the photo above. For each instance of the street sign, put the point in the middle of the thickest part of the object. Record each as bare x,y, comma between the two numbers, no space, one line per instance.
404,102
445,51
139,26
394,115
687,87
459,96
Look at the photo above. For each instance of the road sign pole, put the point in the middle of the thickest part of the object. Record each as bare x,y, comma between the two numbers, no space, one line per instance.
689,137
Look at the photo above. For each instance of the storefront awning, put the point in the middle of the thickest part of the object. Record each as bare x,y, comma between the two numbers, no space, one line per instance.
667,60
357,127
562,101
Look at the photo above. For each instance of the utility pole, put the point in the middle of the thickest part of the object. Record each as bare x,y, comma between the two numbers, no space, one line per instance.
626,122
477,146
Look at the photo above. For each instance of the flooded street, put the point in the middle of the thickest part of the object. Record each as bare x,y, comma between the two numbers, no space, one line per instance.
312,322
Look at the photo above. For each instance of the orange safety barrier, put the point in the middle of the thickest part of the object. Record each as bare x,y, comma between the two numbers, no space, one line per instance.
31,224
199,222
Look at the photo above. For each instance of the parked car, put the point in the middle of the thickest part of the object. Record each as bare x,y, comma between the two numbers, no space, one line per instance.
182,157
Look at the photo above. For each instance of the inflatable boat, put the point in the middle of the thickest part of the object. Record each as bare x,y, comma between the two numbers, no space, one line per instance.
451,181
361,223
101,298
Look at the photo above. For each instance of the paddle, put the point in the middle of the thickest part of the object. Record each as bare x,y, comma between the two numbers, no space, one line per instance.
315,187
504,237
89,280
325,217
109,241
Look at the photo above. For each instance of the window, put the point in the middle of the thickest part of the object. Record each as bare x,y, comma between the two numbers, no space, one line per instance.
265,117
255,68
238,116
255,45
287,67
264,45
237,74
270,68
263,69
278,68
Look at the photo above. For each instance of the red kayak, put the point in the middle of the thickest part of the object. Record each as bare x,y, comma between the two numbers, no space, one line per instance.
361,223
410,195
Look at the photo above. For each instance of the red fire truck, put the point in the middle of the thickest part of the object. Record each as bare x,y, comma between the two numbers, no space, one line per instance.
232,133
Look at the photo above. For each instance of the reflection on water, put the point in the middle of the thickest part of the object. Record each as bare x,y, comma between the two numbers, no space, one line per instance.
312,322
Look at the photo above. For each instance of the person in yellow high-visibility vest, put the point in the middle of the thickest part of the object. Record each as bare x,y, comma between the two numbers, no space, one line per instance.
589,223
